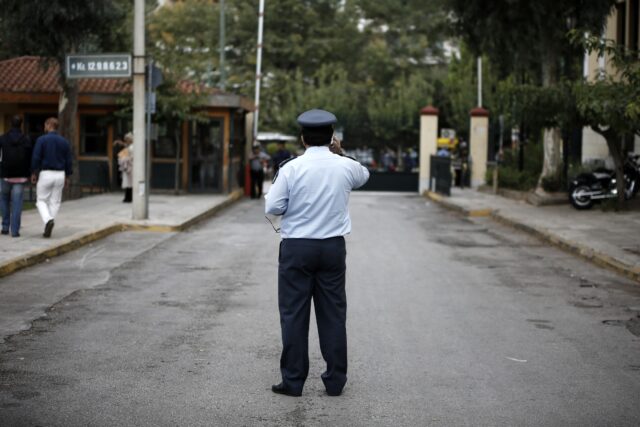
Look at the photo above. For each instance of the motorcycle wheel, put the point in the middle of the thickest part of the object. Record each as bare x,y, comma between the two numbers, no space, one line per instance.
578,199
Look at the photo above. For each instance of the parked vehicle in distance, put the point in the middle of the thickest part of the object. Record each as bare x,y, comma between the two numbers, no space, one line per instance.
589,188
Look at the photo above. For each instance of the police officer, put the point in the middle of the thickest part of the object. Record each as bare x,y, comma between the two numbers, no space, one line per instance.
311,192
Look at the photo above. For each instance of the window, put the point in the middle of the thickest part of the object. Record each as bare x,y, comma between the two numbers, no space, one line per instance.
168,137
93,135
634,6
34,124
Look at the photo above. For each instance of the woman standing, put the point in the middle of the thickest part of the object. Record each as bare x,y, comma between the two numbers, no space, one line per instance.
125,165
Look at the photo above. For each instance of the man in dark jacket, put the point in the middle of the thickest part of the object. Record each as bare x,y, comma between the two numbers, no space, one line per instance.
16,167
50,169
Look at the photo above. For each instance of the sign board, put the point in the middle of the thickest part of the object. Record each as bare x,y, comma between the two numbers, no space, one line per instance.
108,65
150,106
447,133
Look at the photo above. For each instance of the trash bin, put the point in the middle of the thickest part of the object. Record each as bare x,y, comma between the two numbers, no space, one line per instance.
440,179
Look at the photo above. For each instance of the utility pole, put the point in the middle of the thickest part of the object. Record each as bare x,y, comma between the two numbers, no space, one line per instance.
258,70
223,75
140,186
479,81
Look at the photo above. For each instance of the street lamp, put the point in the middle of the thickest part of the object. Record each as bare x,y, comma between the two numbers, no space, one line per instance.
258,69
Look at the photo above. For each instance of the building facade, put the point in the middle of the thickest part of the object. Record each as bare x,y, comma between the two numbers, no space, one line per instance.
623,26
192,156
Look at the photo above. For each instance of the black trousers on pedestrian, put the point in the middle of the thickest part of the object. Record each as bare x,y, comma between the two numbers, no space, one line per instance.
313,269
257,179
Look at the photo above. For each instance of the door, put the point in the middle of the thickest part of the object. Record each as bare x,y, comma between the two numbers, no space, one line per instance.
205,162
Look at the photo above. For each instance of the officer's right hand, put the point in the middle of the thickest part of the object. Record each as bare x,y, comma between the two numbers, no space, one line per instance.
335,146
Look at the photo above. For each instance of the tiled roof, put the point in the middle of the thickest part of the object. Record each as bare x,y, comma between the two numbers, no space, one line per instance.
36,75
33,74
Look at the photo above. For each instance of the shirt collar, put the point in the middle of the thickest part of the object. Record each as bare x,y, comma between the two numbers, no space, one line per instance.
317,149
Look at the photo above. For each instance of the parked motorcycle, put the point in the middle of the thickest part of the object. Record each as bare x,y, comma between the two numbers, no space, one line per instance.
588,188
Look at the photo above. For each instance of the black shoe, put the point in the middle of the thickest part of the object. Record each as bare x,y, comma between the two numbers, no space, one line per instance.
331,393
281,389
48,229
15,235
5,231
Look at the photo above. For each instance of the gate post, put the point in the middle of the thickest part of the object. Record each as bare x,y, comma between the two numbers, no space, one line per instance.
428,144
478,145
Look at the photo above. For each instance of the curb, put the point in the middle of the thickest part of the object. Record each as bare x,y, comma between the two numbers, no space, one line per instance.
452,206
81,239
598,258
584,252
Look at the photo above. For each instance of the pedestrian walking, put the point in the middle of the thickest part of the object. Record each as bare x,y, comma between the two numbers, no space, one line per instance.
125,165
51,167
281,155
311,192
15,152
257,162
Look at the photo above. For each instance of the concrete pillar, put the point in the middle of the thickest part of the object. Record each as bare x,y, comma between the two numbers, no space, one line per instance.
428,144
478,145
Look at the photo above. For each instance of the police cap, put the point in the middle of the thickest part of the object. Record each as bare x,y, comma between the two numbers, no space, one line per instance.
316,118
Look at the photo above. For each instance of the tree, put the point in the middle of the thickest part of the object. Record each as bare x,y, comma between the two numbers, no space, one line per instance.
182,40
519,36
338,55
610,105
60,28
392,111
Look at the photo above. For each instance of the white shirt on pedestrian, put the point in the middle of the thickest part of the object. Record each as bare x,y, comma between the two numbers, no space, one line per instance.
312,192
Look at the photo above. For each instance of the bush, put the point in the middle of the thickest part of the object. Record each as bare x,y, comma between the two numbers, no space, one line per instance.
510,177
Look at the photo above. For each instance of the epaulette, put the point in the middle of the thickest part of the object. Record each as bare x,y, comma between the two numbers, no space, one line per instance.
282,163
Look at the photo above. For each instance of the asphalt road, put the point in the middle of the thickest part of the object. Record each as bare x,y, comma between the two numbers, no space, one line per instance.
450,322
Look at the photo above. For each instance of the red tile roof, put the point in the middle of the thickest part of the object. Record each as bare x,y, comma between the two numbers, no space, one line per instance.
37,75
33,74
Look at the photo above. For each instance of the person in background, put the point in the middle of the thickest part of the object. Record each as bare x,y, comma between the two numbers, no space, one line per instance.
280,156
443,152
257,162
125,165
51,167
15,152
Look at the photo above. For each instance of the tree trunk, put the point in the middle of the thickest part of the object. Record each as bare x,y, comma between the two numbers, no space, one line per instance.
552,139
614,143
67,113
552,143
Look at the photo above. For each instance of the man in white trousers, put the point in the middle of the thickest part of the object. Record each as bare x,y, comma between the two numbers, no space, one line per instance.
51,167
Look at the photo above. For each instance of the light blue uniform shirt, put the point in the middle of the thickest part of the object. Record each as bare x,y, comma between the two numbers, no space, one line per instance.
312,194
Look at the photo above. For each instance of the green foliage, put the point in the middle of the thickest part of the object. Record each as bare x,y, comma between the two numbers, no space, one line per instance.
181,40
526,36
537,106
613,100
62,27
393,110
363,60
509,176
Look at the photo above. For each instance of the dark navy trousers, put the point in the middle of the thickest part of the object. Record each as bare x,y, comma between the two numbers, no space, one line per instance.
313,269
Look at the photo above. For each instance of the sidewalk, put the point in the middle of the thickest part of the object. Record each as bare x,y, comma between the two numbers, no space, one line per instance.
94,217
609,239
